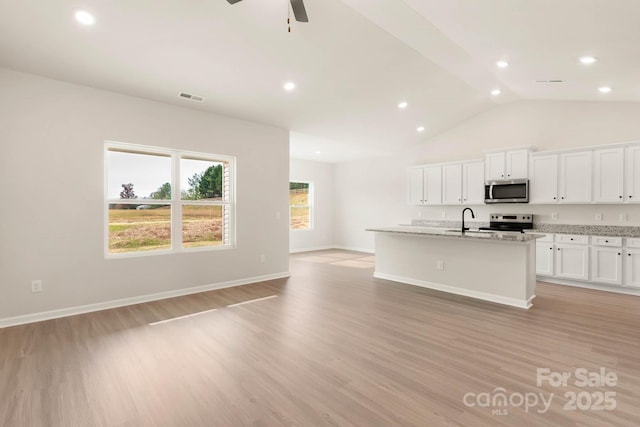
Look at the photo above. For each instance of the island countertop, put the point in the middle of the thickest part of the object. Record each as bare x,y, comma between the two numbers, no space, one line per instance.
453,233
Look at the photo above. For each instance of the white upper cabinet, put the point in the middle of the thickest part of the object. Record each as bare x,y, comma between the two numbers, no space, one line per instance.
425,185
416,186
632,180
452,184
495,166
575,177
432,185
472,183
608,175
543,178
506,165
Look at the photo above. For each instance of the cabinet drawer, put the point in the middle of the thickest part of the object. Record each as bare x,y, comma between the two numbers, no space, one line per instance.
575,239
633,242
606,241
548,237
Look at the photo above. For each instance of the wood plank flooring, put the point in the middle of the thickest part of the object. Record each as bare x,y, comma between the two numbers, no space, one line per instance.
330,346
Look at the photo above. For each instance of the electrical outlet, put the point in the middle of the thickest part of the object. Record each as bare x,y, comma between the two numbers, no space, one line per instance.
554,215
440,265
624,217
419,214
278,215
263,259
598,217
36,286
443,214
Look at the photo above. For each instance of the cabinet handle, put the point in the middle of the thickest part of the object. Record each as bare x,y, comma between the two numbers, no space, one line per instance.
628,254
571,238
554,197
508,174
550,249
606,241
558,248
629,196
620,197
619,253
459,200
562,197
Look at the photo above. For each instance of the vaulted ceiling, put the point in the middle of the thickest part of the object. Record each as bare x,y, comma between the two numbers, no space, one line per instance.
352,63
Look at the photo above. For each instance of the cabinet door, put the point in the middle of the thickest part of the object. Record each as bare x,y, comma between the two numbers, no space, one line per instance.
608,175
517,164
632,181
572,262
544,259
543,179
452,184
494,164
606,265
432,185
473,183
575,177
416,184
632,267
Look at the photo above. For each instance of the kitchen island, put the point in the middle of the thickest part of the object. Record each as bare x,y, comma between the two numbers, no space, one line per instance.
492,266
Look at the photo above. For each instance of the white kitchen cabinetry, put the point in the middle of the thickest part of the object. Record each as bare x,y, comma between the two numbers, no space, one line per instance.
632,179
425,185
632,268
506,165
472,183
544,258
416,186
606,265
463,183
572,260
452,184
608,175
575,177
543,178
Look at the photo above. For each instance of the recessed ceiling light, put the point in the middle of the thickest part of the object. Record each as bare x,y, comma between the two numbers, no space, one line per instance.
502,64
317,152
420,128
403,105
84,17
588,59
496,92
604,89
289,86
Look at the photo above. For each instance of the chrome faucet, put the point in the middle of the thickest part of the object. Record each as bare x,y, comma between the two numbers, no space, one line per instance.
472,216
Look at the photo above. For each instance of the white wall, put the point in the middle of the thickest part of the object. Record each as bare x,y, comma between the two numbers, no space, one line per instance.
322,235
51,220
373,192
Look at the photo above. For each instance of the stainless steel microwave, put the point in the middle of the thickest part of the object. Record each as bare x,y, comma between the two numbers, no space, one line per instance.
507,191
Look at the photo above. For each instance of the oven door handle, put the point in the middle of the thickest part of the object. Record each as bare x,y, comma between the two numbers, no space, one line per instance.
491,191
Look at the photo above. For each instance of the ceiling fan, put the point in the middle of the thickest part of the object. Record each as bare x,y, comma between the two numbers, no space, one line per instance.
298,9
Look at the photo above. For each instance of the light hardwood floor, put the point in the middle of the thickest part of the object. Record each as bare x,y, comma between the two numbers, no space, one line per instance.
334,347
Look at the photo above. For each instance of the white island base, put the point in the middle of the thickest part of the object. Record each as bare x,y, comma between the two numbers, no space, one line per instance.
501,271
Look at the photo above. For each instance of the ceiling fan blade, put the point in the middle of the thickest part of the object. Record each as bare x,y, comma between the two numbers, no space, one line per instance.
233,1
298,10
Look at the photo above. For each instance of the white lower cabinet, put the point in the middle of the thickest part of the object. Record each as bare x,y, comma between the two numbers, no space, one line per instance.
544,259
606,265
632,274
572,261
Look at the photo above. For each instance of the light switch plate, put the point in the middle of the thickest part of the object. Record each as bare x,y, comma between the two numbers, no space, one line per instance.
554,215
598,217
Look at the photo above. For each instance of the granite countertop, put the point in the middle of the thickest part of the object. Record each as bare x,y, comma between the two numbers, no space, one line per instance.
588,230
453,233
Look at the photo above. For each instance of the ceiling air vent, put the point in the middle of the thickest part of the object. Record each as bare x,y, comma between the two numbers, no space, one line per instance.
190,96
549,81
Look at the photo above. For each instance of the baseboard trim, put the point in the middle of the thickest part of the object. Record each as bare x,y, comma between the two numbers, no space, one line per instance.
526,304
72,311
588,285
317,248
350,248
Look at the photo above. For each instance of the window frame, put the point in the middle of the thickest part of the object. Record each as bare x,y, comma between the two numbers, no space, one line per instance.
311,205
175,203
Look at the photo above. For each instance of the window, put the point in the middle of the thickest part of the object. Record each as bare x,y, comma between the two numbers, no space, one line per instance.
166,200
301,205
